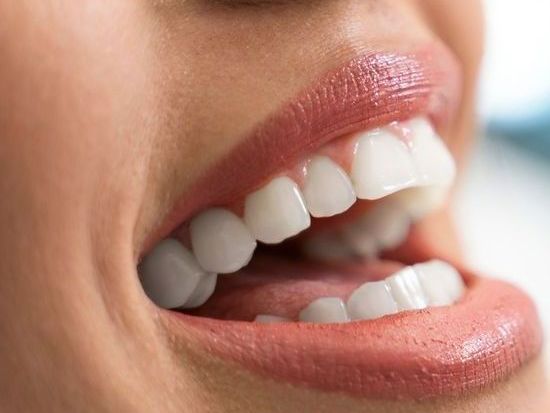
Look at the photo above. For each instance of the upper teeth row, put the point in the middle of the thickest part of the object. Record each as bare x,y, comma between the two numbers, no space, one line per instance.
223,243
433,283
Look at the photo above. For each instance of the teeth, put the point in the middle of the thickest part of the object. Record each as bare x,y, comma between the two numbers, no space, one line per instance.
327,190
221,241
384,227
371,300
441,282
387,223
407,290
406,159
325,310
270,319
382,165
421,201
433,283
276,211
433,160
203,291
169,274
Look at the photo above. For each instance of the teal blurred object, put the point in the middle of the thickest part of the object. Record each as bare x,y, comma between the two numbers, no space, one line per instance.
530,131
515,83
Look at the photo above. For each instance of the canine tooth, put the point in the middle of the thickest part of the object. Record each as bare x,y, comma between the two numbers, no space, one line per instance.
327,190
407,290
388,223
276,211
270,319
433,160
327,247
382,165
203,291
371,300
169,274
325,310
221,241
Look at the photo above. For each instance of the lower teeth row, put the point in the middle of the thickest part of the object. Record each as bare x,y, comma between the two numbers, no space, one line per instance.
430,284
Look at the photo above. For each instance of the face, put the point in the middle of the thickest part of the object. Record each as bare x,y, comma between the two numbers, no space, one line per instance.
149,144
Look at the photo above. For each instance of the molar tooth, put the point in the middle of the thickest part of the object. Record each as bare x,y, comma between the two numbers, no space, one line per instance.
434,162
371,300
270,319
221,241
276,211
382,165
388,223
327,190
325,310
407,290
203,291
169,274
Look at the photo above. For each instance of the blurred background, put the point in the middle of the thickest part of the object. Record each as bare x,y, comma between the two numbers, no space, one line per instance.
503,204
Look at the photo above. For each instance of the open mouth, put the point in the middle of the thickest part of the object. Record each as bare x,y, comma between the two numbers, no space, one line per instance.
304,265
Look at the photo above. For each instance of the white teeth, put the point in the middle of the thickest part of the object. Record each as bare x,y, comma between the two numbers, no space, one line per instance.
221,241
169,274
432,283
387,223
385,164
433,160
382,165
270,319
325,310
441,282
276,211
406,290
416,167
203,291
421,201
327,189
371,300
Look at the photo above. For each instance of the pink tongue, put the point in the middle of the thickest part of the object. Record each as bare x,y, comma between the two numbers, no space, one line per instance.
283,288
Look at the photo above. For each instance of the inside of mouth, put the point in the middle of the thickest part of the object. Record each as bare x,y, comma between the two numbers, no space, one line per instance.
278,264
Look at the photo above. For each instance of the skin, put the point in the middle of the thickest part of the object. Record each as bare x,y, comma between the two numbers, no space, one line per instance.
109,110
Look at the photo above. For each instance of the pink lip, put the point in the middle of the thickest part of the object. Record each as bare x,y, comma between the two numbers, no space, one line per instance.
368,91
443,351
422,354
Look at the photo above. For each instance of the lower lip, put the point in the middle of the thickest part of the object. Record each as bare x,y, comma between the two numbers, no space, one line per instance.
441,351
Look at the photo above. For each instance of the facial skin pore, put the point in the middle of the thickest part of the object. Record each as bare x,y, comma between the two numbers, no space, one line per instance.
108,112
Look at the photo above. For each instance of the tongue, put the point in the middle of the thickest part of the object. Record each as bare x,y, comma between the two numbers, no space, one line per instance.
282,288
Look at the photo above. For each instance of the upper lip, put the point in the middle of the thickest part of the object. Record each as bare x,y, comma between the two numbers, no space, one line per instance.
368,91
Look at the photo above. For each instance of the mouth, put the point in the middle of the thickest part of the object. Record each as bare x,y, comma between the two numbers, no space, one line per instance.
299,256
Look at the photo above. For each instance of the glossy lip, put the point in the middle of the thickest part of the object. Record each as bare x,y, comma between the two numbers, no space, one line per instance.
369,91
441,351
414,354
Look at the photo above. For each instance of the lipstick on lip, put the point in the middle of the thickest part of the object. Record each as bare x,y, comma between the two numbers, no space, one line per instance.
369,91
